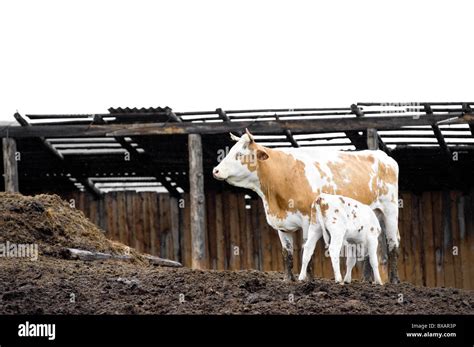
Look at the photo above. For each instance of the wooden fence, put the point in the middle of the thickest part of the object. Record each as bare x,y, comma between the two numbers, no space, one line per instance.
436,228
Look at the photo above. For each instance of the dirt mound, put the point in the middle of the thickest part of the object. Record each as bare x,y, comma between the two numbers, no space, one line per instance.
116,287
52,224
48,285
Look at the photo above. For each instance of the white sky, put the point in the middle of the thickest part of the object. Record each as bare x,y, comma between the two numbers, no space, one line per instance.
85,56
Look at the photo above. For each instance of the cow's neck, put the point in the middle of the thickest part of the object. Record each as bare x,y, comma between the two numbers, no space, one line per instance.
283,185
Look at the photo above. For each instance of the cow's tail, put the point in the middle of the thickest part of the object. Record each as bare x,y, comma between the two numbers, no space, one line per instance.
320,219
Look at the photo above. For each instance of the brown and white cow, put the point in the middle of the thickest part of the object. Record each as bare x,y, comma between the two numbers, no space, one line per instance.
289,180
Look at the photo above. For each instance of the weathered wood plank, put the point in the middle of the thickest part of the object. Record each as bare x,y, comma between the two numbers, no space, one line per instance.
297,255
148,238
277,258
318,259
131,238
138,202
73,253
456,240
256,234
234,228
122,217
220,234
93,210
266,241
428,240
327,264
296,126
175,226
227,222
10,165
409,250
405,248
469,214
211,228
249,238
197,201
160,222
187,243
449,277
110,208
244,250
162,261
438,236
416,247
464,225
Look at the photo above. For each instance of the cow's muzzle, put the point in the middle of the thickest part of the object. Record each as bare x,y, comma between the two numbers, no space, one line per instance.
216,174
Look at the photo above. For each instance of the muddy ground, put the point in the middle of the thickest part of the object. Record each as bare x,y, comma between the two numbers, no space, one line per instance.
55,285
120,287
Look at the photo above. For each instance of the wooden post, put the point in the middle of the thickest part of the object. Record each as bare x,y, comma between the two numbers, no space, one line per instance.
372,139
10,167
197,203
373,144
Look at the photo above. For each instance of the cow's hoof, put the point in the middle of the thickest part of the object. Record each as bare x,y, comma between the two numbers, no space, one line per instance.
347,281
289,278
394,279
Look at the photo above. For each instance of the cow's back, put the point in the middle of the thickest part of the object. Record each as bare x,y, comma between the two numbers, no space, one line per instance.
366,176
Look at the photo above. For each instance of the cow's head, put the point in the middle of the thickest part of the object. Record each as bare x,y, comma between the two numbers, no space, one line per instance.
239,167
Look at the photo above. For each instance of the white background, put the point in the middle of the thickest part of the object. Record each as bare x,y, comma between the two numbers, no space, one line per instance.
86,56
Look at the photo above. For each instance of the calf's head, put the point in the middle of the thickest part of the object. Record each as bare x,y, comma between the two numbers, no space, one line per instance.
240,166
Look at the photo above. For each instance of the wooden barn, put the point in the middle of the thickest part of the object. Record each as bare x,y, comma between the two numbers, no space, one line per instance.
144,176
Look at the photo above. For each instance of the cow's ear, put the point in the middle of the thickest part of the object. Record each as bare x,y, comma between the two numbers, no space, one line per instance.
251,139
262,155
234,138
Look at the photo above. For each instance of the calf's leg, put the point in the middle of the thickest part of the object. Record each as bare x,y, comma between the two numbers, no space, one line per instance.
337,239
350,262
374,261
314,235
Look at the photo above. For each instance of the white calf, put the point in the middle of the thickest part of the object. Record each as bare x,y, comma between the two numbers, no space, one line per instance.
343,220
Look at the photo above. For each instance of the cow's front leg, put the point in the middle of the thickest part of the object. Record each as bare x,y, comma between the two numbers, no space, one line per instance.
286,240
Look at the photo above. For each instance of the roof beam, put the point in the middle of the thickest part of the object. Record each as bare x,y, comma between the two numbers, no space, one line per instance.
223,115
289,135
172,116
468,110
360,141
291,139
357,140
268,127
24,123
437,132
382,144
356,110
89,185
144,158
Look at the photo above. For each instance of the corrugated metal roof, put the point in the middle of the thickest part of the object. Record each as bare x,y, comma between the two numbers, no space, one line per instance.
113,110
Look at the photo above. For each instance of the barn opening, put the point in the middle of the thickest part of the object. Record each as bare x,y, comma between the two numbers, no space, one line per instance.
144,176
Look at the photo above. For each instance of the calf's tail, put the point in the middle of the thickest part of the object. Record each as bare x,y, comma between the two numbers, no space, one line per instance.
320,219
